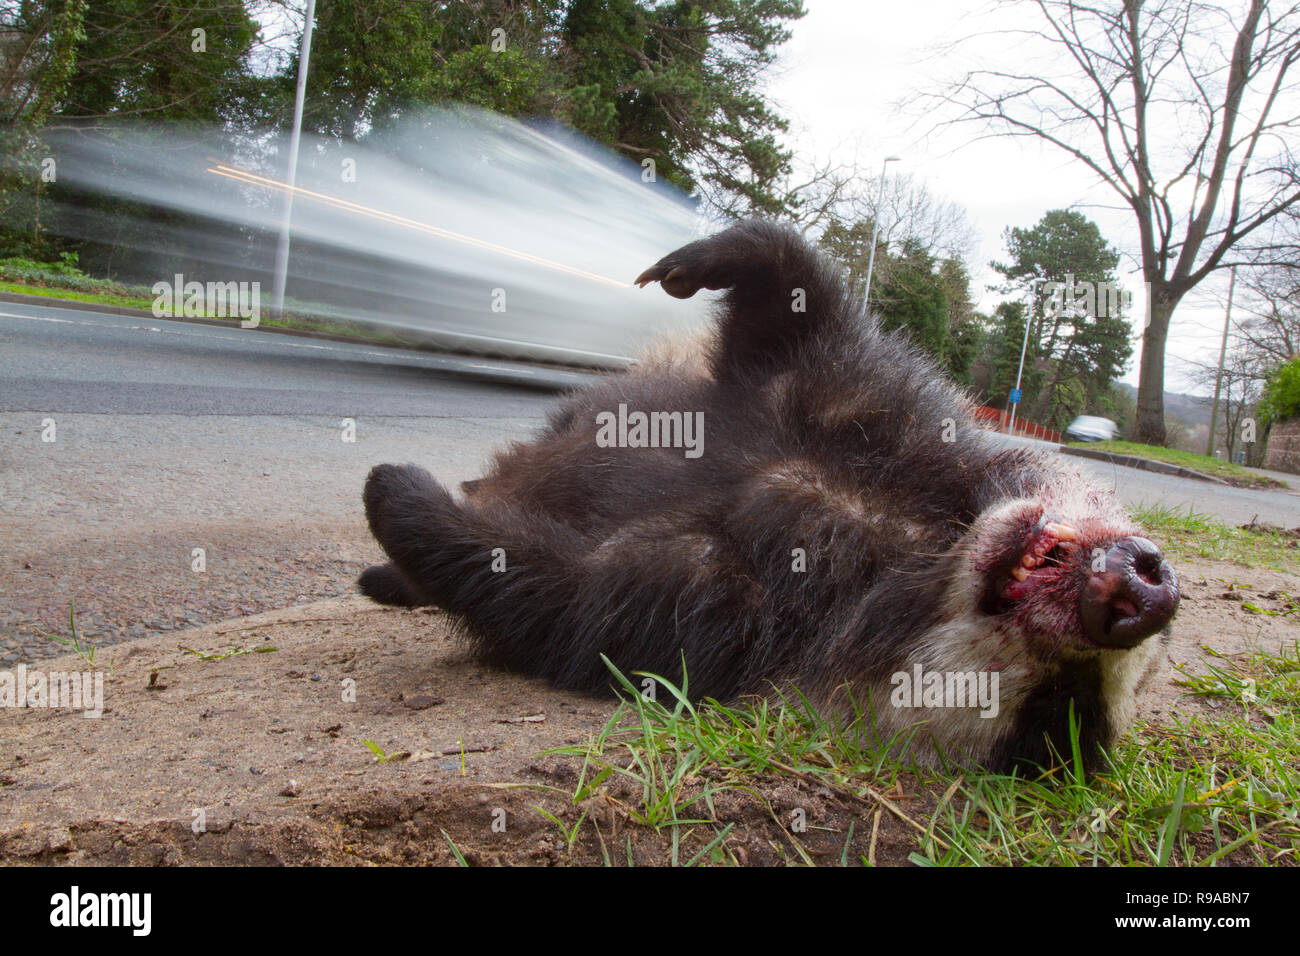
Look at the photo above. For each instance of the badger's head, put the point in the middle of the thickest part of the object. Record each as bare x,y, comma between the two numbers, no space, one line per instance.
1052,590
1067,571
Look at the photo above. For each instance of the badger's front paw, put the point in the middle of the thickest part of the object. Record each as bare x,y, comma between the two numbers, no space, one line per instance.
385,584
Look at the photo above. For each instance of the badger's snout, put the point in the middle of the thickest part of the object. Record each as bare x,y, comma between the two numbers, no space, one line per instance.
1132,598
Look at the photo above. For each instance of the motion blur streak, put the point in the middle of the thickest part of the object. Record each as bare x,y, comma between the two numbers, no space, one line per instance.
458,228
247,177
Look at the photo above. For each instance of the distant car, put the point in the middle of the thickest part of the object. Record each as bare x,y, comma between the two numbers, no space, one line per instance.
1092,428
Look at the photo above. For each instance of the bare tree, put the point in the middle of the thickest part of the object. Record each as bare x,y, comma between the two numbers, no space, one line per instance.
1245,370
1187,111
842,197
821,193
1272,306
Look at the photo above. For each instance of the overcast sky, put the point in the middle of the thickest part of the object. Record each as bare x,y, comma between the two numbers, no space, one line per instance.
840,80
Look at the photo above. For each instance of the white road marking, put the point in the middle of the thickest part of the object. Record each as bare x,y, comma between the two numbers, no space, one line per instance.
37,318
215,333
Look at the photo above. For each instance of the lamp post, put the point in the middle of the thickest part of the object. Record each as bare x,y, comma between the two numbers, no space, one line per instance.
282,245
1223,353
1024,345
875,225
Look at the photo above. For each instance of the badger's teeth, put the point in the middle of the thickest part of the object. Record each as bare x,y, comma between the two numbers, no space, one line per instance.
1051,534
1062,532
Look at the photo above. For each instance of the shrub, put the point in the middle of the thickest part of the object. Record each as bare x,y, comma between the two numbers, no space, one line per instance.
1281,397
64,274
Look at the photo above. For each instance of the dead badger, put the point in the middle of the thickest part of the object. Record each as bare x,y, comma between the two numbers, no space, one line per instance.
845,524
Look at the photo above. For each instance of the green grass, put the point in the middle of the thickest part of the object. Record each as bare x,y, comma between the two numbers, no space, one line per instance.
378,751
98,298
1197,792
1234,474
1193,534
73,640
455,850
236,651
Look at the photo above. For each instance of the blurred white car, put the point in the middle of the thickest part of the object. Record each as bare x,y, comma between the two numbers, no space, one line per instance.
1092,428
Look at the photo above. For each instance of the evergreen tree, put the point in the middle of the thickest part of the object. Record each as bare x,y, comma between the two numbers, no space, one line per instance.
38,61
1079,337
966,332
161,60
1005,341
81,64
911,297
676,83
374,60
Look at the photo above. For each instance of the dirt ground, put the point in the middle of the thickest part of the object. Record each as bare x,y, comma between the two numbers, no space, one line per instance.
260,757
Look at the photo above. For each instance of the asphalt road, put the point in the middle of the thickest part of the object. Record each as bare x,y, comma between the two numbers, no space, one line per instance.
175,436
72,360
1230,505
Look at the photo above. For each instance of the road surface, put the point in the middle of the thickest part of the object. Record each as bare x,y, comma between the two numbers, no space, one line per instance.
1230,505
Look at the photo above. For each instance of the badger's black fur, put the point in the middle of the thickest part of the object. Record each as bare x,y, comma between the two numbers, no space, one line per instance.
845,521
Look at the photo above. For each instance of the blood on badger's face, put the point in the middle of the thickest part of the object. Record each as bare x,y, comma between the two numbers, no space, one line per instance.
1072,573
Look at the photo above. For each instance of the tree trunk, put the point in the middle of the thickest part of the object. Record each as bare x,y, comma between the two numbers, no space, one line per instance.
1043,404
1149,418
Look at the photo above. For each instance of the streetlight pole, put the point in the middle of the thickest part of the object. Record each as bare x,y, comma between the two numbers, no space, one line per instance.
1223,353
282,245
875,225
1024,345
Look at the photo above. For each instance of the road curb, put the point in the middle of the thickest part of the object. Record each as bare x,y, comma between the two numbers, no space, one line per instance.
506,371
1142,464
22,298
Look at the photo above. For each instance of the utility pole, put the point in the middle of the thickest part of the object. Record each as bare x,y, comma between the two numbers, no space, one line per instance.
1015,392
875,225
282,245
1223,353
